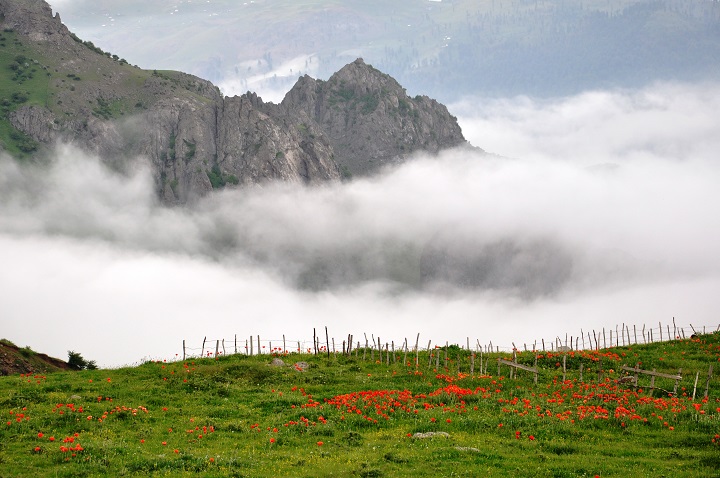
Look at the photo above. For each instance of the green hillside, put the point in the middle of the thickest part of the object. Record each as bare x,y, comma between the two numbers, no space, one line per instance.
75,83
372,415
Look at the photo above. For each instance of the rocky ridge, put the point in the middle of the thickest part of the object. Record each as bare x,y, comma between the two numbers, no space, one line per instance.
356,122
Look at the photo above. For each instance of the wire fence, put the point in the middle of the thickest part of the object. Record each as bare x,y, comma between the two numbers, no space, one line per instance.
621,335
568,358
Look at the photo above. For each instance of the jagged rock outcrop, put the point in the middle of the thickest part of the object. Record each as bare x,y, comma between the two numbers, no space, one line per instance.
370,119
196,140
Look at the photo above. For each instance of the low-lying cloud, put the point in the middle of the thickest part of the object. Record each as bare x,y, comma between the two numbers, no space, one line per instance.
599,210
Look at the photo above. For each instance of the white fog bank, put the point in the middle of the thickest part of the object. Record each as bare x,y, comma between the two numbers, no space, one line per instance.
606,214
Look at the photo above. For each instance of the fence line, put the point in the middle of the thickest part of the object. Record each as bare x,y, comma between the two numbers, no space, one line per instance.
464,359
600,339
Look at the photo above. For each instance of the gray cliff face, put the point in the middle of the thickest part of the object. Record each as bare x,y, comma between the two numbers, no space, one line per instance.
370,120
196,140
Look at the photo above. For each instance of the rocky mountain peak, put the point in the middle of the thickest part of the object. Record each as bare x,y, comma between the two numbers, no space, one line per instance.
370,119
34,19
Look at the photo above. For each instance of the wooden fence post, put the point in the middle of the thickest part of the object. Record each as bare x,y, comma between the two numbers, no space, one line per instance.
675,334
677,380
446,355
635,378
327,342
217,348
183,349
707,382
430,357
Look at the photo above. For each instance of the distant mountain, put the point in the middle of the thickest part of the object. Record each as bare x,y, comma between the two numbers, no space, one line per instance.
444,48
59,87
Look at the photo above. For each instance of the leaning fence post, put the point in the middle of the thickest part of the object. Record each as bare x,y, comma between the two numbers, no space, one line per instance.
202,352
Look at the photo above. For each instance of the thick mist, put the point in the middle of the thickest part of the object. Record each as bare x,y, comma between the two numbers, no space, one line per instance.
595,210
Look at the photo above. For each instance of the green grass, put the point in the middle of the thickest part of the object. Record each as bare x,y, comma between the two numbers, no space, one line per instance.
237,416
24,80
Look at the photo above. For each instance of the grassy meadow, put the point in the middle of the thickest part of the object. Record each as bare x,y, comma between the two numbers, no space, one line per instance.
238,416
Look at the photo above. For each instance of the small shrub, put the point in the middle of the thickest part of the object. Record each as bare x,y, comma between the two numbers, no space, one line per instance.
76,361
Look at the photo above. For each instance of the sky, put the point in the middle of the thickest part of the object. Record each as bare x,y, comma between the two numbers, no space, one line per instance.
593,211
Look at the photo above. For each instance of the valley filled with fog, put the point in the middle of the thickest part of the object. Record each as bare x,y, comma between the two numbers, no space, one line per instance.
592,210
